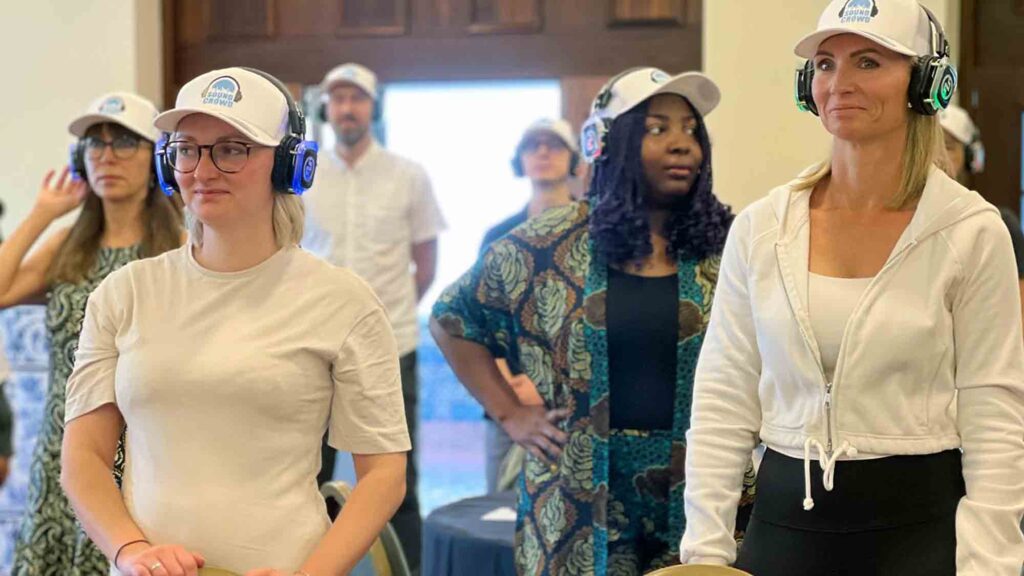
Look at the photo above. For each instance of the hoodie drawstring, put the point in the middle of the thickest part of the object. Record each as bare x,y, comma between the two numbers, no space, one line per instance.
828,467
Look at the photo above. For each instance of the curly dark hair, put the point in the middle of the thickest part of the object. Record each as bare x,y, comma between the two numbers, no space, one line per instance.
618,223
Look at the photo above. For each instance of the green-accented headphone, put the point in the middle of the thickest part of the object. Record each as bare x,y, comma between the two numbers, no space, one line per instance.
933,79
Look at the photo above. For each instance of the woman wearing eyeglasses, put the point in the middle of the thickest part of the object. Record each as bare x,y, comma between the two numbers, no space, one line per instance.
124,217
227,360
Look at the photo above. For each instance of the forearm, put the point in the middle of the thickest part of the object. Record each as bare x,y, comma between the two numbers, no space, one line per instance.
475,367
373,502
98,504
14,248
424,278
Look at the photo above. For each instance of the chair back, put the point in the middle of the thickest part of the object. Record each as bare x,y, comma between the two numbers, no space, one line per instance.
386,554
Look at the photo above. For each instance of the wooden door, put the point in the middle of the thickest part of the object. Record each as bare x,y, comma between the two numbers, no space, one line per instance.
992,90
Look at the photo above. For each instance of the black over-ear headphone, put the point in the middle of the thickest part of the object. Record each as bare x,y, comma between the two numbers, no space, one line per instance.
294,157
933,78
76,159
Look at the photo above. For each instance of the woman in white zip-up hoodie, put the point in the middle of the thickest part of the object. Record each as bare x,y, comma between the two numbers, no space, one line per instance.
866,329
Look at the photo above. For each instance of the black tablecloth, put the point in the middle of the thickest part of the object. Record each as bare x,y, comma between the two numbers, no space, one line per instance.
456,542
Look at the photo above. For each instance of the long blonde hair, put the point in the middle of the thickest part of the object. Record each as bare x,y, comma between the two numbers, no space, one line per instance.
289,218
925,148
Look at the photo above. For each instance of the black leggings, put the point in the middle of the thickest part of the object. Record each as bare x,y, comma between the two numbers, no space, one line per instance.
891,516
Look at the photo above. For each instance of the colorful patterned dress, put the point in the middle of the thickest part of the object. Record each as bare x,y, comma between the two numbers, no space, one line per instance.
537,298
51,541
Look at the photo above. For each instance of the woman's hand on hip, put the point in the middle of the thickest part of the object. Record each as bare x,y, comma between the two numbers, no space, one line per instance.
164,560
535,429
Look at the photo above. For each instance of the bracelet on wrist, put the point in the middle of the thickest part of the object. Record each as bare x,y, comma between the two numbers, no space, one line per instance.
125,545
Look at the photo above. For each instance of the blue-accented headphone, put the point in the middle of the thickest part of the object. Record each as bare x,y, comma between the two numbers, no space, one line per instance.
933,79
76,159
594,133
294,157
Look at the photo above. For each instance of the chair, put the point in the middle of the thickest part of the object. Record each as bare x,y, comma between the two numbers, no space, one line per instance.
386,553
698,570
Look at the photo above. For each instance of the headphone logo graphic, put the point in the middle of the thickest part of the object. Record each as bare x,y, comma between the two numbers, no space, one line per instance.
858,11
112,105
223,91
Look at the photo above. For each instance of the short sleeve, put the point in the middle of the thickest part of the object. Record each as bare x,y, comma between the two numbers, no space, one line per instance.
426,218
1016,237
478,306
91,383
368,412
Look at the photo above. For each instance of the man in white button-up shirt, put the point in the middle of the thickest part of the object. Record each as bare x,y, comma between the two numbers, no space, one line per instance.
374,212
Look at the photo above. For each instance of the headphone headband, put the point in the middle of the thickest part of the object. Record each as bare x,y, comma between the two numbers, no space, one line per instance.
296,119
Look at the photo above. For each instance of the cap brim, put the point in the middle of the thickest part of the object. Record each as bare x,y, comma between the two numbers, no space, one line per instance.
168,122
553,132
702,93
81,125
807,47
327,86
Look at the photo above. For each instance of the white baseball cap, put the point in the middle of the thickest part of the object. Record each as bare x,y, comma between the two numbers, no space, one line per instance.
351,73
957,122
559,128
899,25
247,101
124,108
631,88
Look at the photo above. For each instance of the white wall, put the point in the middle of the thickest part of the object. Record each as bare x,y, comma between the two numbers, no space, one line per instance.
760,138
56,57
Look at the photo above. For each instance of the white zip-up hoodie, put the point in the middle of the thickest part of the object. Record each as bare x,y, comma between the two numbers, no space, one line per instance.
932,359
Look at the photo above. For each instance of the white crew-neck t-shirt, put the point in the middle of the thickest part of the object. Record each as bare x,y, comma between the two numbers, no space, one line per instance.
227,382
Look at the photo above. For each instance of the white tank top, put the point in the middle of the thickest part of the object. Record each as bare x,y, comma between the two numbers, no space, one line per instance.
831,302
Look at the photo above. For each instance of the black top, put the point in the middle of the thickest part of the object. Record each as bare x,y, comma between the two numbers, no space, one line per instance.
643,326
502,228
1016,236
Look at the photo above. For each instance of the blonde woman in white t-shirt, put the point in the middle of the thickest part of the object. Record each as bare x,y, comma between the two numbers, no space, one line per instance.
228,359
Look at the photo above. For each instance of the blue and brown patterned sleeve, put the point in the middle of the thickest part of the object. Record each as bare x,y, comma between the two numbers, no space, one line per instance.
479,306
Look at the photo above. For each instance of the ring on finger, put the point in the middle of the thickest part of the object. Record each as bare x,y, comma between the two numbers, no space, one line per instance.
156,565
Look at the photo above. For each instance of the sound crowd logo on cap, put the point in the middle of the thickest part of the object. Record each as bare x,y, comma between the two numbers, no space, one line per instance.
858,11
223,91
112,105
660,76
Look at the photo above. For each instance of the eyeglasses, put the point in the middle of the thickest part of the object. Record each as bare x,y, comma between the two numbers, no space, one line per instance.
228,156
123,147
552,144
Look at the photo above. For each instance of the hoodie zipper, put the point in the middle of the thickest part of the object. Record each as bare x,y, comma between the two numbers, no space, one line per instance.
842,345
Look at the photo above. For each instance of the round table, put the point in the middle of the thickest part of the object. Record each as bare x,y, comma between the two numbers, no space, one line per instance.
458,542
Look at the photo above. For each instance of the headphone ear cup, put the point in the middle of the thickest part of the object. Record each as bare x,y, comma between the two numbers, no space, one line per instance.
517,165
593,139
76,160
933,81
917,91
163,169
284,165
321,112
574,164
803,88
